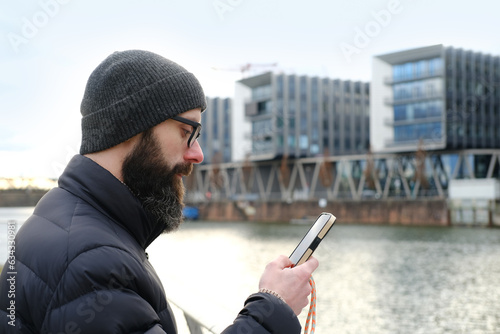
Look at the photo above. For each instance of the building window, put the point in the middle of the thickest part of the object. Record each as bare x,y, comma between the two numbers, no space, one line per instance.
314,149
264,107
429,88
413,132
420,68
408,71
435,66
416,70
280,141
279,85
303,122
304,142
262,127
419,110
400,112
303,88
261,92
347,143
336,145
291,87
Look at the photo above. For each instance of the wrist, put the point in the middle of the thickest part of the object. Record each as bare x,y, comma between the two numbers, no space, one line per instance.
271,292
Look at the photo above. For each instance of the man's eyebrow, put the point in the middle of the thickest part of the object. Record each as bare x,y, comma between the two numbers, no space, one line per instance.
192,120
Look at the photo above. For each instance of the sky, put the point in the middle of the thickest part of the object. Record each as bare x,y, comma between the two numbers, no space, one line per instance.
48,48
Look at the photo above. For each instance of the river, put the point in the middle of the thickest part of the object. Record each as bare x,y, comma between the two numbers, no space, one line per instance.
371,279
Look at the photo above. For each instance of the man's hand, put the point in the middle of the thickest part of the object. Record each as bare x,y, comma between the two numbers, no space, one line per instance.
292,284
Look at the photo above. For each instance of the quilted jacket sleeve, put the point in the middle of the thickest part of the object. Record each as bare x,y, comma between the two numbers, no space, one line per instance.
264,314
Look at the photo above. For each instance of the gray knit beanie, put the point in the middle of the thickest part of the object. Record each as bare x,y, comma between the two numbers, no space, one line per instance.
130,92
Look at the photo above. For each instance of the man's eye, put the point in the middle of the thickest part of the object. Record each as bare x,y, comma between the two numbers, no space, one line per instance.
186,132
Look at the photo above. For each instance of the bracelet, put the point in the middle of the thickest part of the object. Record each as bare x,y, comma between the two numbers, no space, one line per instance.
271,292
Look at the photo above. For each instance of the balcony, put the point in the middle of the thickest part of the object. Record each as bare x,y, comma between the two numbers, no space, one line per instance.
251,109
389,121
255,108
391,81
411,99
435,143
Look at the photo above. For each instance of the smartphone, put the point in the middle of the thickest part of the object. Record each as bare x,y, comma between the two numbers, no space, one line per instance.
312,238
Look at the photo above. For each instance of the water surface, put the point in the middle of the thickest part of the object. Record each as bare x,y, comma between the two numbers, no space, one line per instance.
371,279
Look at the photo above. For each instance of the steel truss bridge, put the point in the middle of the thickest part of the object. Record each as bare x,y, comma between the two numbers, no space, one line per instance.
357,177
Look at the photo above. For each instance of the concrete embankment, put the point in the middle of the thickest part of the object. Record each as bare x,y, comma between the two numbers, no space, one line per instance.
406,212
20,197
429,212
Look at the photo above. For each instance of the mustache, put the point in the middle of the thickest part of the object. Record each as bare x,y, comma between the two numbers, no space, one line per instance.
184,169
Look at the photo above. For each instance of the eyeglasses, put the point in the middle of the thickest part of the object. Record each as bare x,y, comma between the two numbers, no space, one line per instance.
196,128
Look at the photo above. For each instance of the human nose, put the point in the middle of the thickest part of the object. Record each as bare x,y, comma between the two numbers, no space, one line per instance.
194,153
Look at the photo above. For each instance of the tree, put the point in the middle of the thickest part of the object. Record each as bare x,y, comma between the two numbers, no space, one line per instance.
216,179
420,157
284,171
325,170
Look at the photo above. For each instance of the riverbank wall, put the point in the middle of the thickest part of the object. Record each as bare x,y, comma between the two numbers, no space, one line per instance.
417,212
20,197
433,212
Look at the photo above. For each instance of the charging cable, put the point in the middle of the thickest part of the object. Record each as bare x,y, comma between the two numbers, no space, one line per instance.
311,316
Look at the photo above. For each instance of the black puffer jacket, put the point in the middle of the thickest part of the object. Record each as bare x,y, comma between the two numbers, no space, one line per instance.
81,266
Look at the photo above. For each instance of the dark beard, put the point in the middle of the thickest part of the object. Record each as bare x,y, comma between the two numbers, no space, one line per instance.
158,187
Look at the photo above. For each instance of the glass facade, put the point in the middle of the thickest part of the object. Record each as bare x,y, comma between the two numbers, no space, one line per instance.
216,132
302,116
304,121
414,132
418,100
421,89
418,111
261,92
472,99
447,97
417,69
226,134
262,127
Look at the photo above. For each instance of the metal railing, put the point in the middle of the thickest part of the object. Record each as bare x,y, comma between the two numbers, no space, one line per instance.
193,325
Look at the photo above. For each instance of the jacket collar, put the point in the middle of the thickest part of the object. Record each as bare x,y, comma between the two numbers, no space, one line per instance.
97,186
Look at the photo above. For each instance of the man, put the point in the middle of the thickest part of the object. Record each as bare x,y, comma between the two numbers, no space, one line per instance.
81,265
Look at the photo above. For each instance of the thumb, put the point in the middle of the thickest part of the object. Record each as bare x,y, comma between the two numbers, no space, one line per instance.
283,262
310,265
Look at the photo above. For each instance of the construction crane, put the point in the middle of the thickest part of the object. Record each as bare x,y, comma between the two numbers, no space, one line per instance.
245,68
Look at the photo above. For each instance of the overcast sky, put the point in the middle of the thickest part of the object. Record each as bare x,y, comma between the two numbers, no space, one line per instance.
48,49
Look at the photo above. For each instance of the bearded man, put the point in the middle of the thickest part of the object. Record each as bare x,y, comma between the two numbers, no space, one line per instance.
81,264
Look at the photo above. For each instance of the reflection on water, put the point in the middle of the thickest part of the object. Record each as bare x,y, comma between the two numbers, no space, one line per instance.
371,279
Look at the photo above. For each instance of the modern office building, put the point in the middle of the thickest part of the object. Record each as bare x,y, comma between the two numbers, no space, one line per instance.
431,116
215,138
440,97
300,116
